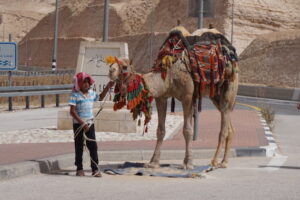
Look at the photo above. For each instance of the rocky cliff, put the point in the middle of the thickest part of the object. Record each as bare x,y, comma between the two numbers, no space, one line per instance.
18,17
255,17
272,59
133,21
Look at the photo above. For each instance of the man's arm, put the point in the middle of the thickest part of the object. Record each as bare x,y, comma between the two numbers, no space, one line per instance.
105,90
74,114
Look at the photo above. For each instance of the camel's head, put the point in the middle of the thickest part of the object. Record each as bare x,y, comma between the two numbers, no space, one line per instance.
120,67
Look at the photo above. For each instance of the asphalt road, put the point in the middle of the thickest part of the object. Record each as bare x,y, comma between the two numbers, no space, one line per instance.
28,119
245,178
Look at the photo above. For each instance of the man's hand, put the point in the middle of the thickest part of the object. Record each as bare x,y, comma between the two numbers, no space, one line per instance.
105,90
86,127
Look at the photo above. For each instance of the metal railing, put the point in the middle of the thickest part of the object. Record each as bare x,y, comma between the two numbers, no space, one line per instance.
27,91
38,73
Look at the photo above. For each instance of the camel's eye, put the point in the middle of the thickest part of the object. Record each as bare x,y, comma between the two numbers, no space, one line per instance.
125,68
112,69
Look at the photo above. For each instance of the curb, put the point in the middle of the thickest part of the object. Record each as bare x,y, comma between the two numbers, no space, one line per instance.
18,169
272,146
48,165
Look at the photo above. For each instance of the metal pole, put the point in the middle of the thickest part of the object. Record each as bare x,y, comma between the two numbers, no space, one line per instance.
3,32
9,82
54,55
200,14
105,21
196,113
26,53
232,9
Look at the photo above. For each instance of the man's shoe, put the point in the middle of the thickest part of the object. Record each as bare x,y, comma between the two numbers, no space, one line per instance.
96,173
80,173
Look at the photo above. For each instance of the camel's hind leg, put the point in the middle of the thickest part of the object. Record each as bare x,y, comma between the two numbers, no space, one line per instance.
228,142
187,131
222,136
225,103
161,105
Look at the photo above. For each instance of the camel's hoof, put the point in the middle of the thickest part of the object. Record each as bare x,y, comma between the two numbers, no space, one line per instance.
188,166
222,165
152,165
214,163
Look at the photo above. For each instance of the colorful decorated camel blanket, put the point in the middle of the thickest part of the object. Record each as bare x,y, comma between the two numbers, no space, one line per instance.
211,57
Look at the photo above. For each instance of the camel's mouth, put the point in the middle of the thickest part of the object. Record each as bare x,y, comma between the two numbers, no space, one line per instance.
112,77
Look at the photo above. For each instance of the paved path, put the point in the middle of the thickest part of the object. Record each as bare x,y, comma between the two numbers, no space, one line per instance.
249,135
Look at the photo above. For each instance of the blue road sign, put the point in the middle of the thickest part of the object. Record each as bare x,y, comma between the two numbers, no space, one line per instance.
8,56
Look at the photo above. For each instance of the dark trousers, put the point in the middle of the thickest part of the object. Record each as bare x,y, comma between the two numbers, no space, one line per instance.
92,146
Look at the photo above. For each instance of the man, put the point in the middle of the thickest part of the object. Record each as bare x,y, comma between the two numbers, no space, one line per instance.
81,109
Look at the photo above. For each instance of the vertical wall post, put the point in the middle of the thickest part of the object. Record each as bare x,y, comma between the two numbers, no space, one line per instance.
43,101
57,100
27,99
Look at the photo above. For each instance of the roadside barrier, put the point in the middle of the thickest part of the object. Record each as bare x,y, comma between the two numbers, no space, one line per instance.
28,91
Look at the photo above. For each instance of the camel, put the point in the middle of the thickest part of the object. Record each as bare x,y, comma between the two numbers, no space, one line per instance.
179,84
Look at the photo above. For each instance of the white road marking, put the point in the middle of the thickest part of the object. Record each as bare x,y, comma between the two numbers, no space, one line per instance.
268,132
270,138
276,162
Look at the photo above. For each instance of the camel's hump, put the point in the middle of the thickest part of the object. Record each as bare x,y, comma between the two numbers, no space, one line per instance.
182,30
199,32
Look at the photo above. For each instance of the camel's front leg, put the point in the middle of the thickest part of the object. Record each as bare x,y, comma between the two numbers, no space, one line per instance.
161,105
188,132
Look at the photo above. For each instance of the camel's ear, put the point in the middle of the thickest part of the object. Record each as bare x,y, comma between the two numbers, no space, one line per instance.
117,60
130,62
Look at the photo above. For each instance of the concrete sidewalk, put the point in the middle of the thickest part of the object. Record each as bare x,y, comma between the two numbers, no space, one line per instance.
250,140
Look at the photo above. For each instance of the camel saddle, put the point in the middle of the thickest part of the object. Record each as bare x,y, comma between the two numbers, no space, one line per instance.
208,54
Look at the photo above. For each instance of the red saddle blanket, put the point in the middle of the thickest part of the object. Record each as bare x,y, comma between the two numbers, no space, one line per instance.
206,60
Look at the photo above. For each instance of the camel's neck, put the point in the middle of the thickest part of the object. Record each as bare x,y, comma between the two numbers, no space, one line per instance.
156,85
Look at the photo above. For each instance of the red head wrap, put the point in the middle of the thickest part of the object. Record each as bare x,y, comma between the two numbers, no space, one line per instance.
79,79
